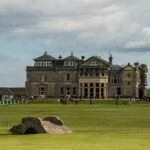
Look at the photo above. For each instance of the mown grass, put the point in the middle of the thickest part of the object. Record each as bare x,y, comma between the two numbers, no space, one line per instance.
106,127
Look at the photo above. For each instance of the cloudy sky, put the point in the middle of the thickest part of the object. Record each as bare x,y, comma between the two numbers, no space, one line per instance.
86,27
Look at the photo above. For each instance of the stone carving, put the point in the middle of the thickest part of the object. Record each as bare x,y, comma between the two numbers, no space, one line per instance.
51,125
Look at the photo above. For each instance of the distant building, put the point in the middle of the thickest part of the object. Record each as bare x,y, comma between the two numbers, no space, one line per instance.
9,93
93,77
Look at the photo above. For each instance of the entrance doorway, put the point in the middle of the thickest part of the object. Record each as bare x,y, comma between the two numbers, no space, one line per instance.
140,93
0,97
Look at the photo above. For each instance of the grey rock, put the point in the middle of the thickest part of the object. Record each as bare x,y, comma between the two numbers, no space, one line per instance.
51,125
55,120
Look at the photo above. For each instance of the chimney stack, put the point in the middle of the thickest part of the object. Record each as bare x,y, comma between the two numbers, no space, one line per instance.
60,57
136,64
110,59
82,58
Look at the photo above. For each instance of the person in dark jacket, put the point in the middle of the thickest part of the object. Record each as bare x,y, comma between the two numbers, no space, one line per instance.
91,101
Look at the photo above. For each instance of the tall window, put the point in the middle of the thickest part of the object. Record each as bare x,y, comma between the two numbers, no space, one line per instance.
42,91
81,72
68,77
42,78
92,71
103,72
85,90
85,84
102,90
102,85
97,90
97,72
61,91
118,91
115,79
91,90
74,91
68,91
85,70
80,92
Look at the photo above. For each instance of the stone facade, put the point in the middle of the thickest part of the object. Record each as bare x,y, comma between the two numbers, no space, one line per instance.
93,77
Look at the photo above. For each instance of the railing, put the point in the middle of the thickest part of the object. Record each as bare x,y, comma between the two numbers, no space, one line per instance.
6,102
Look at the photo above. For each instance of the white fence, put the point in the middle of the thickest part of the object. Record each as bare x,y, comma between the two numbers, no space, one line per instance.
6,102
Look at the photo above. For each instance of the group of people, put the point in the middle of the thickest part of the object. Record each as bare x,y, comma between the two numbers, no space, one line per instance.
71,100
131,101
65,100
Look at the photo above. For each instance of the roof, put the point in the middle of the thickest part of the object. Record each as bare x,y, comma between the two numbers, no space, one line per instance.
97,58
44,57
115,68
18,91
100,59
128,65
72,57
5,91
14,91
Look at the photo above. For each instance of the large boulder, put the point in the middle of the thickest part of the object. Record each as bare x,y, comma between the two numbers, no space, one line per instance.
51,125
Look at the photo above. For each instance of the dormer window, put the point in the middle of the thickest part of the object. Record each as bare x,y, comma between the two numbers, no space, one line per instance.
43,63
70,63
93,63
49,63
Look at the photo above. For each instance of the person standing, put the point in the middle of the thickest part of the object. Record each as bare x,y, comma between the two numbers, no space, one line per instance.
91,101
80,99
128,101
65,100
115,97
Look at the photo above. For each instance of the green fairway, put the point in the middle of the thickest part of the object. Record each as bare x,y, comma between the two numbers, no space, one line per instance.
95,127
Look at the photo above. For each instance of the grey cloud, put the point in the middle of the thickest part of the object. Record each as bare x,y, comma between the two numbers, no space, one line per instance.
96,24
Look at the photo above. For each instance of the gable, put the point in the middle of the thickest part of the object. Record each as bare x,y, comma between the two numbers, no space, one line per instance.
94,61
128,68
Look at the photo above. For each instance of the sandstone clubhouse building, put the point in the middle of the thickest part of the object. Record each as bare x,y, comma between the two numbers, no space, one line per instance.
84,78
